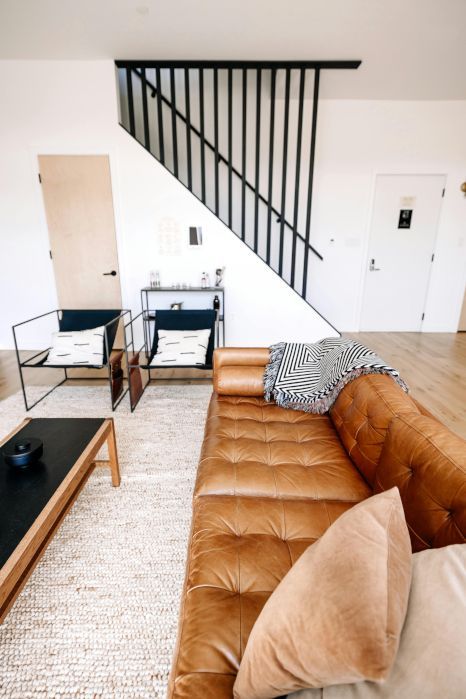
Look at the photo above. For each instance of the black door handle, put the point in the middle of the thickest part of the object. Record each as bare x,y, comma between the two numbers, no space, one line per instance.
110,274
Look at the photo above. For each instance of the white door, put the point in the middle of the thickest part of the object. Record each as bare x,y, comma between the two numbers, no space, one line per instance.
401,248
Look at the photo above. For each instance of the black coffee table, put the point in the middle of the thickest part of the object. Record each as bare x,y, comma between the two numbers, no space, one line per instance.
34,501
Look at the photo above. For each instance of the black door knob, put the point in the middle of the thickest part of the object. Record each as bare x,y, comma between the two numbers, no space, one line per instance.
110,274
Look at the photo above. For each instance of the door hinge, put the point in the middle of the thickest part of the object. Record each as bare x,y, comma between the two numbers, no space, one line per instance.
423,316
40,178
443,192
50,253
433,255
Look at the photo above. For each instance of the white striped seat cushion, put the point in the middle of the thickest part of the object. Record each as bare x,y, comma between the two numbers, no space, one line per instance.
181,348
77,348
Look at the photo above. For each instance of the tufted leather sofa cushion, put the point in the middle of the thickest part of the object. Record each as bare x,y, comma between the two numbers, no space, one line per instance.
240,550
270,483
361,415
255,448
428,464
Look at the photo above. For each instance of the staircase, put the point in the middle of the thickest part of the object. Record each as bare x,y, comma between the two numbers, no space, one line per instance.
241,136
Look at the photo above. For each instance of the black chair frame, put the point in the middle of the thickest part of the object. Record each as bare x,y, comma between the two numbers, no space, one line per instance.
38,359
147,351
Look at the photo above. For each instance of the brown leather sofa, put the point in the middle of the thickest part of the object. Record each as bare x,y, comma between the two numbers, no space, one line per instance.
271,481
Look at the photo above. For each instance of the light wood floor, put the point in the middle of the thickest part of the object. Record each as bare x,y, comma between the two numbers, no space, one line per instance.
434,367
432,364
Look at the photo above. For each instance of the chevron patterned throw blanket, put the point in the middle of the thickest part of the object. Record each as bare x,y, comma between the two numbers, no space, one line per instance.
310,376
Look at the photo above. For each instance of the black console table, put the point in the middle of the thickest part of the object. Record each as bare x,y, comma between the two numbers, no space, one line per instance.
148,313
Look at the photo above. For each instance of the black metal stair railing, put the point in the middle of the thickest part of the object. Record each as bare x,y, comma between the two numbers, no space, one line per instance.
275,140
219,158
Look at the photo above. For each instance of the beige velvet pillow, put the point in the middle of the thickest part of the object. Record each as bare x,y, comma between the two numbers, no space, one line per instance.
336,617
431,659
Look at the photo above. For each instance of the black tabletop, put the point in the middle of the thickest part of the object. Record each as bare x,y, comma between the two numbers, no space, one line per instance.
25,492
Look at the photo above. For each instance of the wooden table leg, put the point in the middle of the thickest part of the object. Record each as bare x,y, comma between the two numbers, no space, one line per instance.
113,454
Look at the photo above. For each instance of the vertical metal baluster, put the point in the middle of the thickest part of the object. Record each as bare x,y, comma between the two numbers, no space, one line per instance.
302,79
258,139
174,133
201,120
230,147
129,90
160,115
310,186
284,168
271,144
145,112
188,128
216,140
243,159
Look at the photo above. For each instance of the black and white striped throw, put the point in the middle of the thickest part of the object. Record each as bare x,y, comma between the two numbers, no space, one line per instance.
309,376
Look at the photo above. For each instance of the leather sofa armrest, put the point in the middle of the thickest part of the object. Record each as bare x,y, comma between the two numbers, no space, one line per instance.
239,371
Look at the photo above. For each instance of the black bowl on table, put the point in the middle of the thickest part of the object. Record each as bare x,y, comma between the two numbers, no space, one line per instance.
24,452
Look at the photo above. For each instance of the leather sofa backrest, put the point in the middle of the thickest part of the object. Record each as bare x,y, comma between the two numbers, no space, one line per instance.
361,415
428,464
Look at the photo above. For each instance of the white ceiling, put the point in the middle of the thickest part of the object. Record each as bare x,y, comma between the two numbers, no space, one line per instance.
411,49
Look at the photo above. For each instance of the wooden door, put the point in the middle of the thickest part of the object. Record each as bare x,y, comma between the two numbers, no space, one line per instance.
78,201
403,232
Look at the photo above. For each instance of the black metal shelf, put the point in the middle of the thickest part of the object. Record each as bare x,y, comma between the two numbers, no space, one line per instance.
183,288
149,313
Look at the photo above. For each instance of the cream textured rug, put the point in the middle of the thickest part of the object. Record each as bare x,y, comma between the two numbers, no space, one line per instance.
98,617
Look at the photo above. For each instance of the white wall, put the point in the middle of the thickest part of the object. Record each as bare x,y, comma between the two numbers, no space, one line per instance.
260,308
59,107
70,107
356,141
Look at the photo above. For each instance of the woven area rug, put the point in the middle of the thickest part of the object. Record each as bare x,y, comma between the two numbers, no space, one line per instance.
99,615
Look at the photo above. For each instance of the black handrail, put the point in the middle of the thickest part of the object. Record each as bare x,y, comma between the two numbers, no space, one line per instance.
335,65
221,158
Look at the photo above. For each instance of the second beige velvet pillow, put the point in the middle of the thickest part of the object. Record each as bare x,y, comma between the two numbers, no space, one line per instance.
336,617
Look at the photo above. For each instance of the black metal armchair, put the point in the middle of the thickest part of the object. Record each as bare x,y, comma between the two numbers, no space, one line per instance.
152,322
72,320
